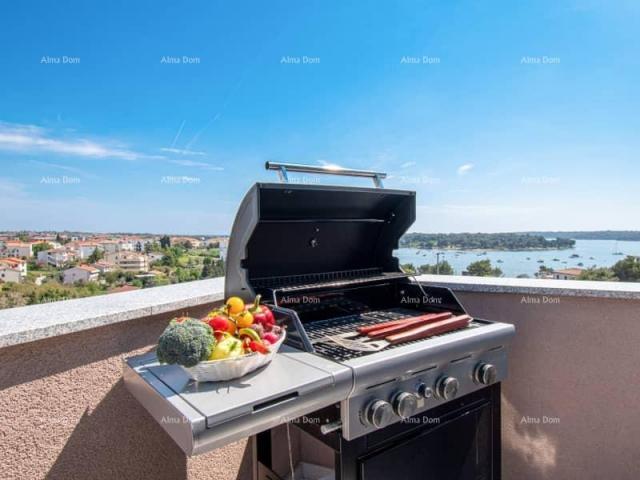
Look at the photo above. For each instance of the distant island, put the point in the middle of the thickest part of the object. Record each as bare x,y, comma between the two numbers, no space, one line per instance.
622,235
484,241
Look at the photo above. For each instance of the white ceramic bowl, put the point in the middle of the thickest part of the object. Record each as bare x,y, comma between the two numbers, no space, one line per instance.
230,368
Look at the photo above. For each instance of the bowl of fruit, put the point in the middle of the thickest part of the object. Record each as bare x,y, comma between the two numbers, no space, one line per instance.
228,343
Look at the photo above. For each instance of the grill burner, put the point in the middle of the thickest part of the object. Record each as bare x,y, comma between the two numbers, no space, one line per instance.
318,331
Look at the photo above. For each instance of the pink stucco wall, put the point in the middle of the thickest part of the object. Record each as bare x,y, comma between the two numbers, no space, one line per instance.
66,414
574,361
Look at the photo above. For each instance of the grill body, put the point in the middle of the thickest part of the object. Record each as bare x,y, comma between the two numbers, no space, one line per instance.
322,258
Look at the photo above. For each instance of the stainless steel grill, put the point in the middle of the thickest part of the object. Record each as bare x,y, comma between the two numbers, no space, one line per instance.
322,256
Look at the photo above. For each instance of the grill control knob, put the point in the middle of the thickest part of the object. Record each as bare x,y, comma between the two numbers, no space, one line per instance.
405,404
447,388
425,391
485,373
378,413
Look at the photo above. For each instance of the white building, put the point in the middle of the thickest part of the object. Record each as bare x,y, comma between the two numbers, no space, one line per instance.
12,270
56,257
81,273
104,267
110,246
129,261
83,250
11,248
567,274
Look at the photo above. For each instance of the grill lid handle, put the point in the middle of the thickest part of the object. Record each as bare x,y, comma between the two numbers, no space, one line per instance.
283,168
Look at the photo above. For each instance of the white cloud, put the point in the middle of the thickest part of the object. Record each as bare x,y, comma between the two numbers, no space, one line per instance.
32,139
181,151
407,164
190,163
464,169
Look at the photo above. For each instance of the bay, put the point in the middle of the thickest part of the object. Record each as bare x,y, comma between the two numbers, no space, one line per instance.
598,253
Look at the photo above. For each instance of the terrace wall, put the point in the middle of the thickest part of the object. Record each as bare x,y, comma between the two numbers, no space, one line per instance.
65,413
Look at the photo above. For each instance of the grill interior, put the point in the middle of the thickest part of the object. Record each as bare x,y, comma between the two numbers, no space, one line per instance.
318,330
309,281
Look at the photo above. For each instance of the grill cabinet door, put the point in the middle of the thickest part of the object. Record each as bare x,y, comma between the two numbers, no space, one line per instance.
458,449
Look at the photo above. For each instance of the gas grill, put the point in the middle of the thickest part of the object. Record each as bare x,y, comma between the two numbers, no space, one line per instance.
322,258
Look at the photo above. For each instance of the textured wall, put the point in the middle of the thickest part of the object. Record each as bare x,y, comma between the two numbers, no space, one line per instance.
575,362
66,414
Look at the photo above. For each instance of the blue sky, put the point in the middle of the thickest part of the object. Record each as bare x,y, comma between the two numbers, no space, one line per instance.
508,115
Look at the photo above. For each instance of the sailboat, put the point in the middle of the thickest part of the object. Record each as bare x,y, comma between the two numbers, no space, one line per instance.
616,251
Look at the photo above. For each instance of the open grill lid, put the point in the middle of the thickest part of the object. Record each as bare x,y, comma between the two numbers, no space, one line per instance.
287,234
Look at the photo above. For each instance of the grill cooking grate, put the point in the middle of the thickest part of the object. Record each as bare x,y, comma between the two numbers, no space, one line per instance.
325,279
318,331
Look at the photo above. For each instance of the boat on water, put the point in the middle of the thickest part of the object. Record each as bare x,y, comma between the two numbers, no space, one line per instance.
499,261
574,255
616,251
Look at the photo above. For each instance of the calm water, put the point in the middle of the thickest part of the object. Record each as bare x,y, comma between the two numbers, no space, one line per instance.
591,253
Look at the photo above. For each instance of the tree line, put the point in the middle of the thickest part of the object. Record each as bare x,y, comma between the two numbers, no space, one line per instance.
484,241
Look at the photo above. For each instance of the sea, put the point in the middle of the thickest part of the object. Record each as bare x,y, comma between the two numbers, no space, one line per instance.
585,254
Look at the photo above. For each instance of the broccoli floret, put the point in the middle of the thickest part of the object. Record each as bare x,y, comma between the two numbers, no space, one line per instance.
186,342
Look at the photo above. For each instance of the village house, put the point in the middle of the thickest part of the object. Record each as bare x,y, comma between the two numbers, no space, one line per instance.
83,250
567,274
56,257
11,248
12,269
81,273
104,267
129,261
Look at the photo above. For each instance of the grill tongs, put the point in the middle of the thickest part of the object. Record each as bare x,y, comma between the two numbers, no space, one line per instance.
373,338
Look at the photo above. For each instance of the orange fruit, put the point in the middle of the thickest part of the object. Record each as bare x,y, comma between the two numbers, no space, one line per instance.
244,319
235,305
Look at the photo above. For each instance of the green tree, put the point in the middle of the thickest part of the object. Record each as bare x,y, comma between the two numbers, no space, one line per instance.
165,242
152,247
483,268
206,271
40,247
601,274
445,268
628,270
170,259
95,255
408,268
